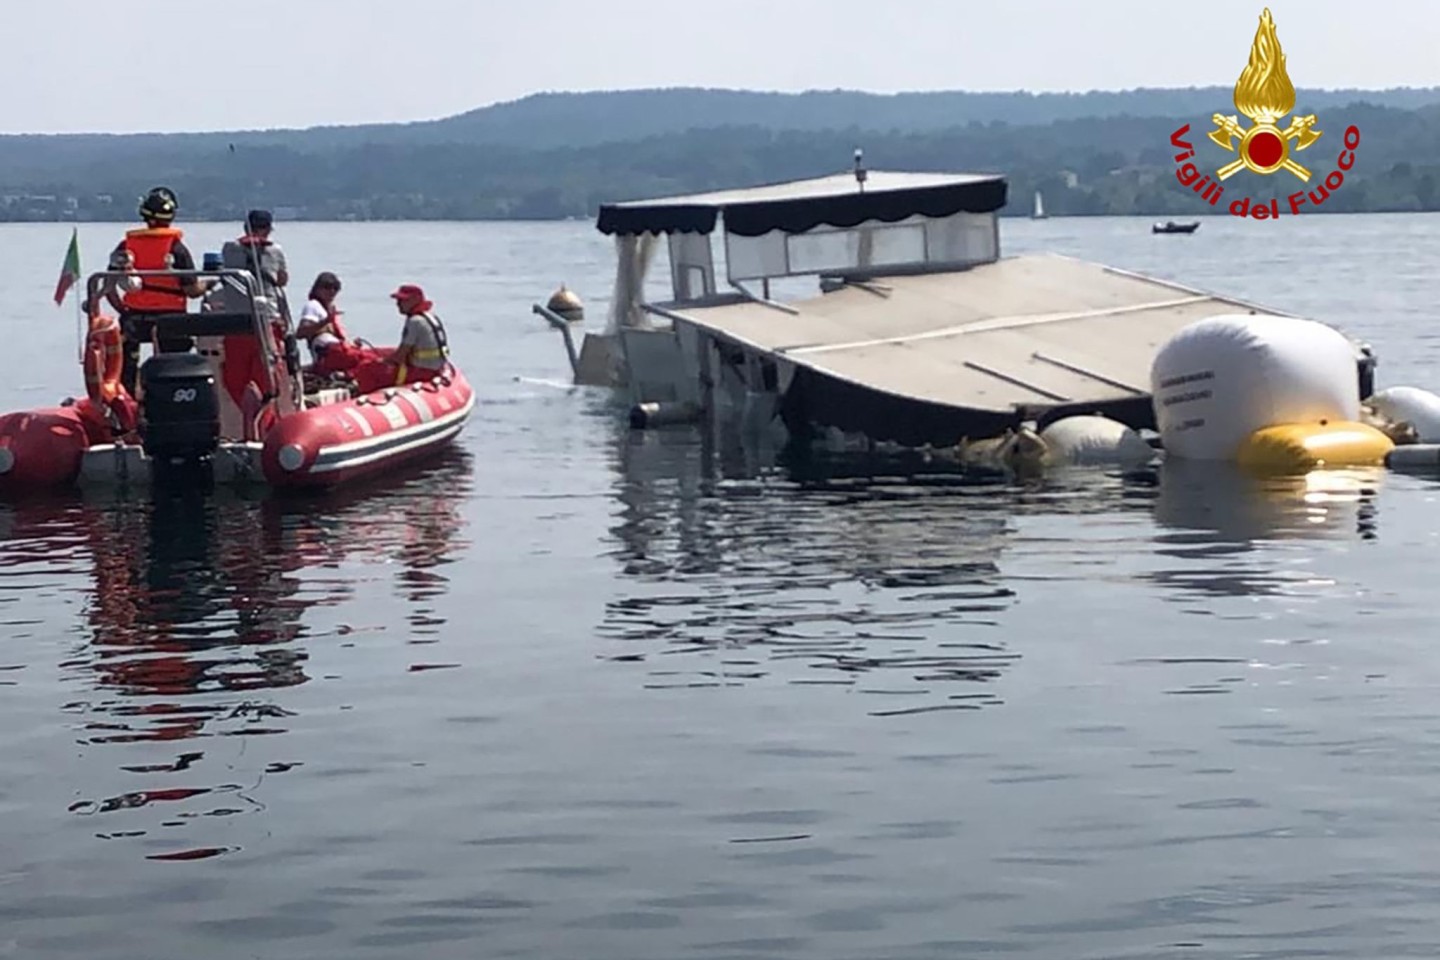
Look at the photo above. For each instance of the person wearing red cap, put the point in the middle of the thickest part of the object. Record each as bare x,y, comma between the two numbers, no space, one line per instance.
423,351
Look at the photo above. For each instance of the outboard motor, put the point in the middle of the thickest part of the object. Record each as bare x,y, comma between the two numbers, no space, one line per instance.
179,409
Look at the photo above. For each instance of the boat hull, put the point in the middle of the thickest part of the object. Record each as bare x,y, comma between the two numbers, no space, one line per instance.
42,449
817,400
320,447
928,359
341,442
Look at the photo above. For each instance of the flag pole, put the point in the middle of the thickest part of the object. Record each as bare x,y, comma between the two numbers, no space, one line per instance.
79,326
79,306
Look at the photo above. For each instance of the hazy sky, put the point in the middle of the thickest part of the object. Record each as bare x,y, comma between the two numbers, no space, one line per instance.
86,65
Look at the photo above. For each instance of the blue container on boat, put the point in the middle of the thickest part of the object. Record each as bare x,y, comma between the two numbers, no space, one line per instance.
212,262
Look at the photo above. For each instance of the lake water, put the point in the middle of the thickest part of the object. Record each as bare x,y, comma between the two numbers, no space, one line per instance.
578,692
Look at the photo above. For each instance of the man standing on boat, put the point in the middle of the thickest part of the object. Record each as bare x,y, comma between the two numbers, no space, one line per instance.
263,257
265,260
156,246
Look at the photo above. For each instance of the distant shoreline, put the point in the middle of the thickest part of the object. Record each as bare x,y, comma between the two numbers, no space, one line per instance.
554,156
1149,217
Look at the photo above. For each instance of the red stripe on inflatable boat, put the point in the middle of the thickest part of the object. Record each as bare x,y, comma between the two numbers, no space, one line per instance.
342,441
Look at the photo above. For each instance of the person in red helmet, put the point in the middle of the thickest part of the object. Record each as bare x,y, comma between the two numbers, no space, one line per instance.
424,349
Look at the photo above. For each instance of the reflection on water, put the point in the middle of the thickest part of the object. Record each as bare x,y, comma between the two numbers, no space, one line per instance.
544,804
896,575
1225,500
1215,517
195,614
880,575
192,595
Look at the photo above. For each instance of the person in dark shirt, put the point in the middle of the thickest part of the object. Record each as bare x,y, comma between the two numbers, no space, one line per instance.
156,246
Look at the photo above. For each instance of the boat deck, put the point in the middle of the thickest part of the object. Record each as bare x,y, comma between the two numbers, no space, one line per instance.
1025,332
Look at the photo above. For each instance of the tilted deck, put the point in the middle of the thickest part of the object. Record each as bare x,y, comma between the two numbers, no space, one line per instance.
1024,332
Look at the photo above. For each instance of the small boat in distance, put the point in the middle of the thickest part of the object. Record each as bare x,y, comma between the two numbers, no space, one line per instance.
1170,226
1038,213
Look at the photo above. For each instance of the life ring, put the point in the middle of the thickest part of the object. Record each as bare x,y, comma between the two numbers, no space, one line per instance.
103,363
104,359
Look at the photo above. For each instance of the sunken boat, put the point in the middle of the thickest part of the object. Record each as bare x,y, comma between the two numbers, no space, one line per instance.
907,326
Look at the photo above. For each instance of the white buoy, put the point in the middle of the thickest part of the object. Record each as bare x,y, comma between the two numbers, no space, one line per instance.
1419,408
1219,380
1089,439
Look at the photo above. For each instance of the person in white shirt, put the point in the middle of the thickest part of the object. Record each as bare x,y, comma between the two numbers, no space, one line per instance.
320,327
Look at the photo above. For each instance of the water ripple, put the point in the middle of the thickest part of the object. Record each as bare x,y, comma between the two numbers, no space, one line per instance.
683,696
194,613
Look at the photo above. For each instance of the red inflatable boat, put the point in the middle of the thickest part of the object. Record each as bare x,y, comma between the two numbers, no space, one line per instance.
190,420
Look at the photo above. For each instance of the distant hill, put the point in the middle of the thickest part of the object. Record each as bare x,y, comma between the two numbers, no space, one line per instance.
546,120
561,154
578,119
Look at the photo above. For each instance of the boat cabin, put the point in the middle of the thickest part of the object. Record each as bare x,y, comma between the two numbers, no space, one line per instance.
846,227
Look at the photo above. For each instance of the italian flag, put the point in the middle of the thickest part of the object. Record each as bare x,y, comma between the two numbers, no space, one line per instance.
70,272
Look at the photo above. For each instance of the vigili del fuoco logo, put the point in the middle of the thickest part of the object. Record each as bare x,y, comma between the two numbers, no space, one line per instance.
1265,95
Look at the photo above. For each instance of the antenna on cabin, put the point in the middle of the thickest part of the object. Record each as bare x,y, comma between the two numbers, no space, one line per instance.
860,173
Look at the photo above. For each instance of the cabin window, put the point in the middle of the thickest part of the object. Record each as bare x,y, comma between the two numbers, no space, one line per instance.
820,250
692,272
963,238
892,245
751,258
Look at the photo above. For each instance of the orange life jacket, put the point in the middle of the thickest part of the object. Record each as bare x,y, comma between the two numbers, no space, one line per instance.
150,249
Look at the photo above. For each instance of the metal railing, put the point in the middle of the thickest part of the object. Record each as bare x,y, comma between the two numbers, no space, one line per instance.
110,286
563,325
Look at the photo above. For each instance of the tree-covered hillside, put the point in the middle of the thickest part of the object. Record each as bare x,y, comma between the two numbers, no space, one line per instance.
557,155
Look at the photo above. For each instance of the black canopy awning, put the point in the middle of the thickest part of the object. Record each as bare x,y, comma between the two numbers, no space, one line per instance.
802,205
